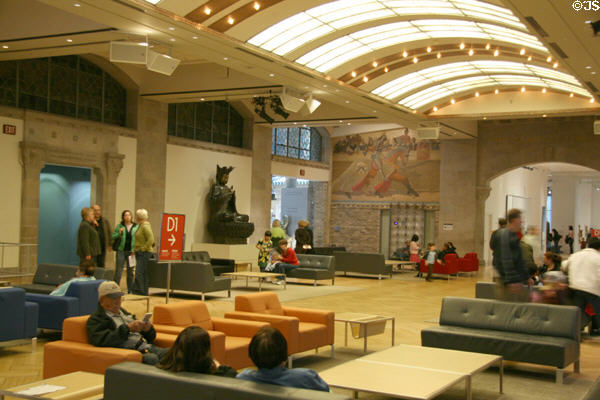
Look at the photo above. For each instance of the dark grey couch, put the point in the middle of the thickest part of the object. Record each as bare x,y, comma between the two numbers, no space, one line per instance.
485,290
327,251
188,276
48,276
130,380
219,265
363,263
314,267
526,332
593,392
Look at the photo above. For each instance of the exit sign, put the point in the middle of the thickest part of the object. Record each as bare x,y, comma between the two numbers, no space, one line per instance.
9,129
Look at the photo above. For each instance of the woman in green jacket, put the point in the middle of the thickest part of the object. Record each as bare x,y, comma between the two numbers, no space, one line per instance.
123,240
144,241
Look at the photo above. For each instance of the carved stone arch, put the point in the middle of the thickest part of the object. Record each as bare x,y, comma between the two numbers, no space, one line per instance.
106,166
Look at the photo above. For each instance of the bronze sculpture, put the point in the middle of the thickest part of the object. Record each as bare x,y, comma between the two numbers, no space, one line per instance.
226,224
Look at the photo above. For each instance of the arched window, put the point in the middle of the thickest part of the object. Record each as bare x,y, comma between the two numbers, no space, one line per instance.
302,143
68,85
208,121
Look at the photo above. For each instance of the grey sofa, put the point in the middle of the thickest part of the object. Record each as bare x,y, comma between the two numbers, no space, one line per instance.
526,332
188,276
363,263
314,267
219,265
48,276
593,392
131,380
485,290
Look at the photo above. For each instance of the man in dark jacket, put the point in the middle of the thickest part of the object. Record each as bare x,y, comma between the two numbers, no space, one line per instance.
104,232
508,259
88,243
112,326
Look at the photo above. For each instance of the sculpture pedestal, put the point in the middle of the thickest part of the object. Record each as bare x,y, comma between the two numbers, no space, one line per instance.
240,253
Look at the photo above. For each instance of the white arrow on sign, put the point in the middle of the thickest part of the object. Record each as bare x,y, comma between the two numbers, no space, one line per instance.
172,240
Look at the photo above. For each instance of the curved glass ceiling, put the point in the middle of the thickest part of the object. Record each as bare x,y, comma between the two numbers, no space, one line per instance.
341,50
299,29
434,93
428,76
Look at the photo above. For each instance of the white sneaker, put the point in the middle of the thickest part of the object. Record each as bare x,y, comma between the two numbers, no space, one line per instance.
279,282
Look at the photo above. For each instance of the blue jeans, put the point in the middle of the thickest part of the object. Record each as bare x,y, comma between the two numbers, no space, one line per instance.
142,278
283,268
123,258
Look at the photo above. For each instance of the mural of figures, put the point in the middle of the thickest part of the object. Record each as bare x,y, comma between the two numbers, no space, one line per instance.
386,166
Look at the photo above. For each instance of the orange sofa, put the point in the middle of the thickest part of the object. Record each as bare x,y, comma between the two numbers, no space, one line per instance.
75,353
229,338
303,328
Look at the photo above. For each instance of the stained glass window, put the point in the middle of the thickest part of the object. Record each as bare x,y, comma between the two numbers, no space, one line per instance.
303,143
207,121
68,85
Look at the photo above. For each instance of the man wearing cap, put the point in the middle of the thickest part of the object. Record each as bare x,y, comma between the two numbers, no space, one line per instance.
112,326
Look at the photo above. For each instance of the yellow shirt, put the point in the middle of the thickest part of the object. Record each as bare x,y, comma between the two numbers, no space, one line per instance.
144,238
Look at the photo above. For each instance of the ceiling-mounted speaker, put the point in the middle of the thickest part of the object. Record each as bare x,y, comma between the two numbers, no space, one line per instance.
428,133
127,52
291,100
161,63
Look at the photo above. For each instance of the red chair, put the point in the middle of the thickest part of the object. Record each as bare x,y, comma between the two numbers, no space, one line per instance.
468,263
450,266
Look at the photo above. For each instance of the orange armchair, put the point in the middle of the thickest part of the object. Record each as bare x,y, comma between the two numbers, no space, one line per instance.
229,338
303,328
75,353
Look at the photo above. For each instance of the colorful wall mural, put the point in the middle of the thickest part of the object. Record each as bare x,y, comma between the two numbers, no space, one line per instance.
386,166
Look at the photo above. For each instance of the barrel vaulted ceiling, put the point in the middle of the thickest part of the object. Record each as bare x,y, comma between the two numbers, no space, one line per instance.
375,61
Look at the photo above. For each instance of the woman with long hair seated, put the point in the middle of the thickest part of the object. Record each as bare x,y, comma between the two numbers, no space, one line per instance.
191,353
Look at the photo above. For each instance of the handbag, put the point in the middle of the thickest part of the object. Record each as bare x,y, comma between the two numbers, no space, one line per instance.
116,242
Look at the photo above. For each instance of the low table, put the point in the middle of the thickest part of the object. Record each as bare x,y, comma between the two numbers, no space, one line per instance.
259,276
368,325
78,385
401,263
411,372
4,283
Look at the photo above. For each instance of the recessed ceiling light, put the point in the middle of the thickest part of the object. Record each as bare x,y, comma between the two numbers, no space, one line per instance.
375,111
295,123
201,98
304,125
4,46
349,123
414,111
386,69
544,90
593,72
225,58
496,53
428,49
588,67
589,21
172,39
523,89
153,1
230,20
435,108
462,46
549,59
194,37
452,101
529,58
571,95
145,44
353,74
439,55
365,79
476,94
471,52
347,101
324,86
496,91
256,5
271,75
484,117
487,46
374,64
592,100
555,65
404,54
522,52
207,10
341,121
544,116
415,60
70,40
76,5
171,28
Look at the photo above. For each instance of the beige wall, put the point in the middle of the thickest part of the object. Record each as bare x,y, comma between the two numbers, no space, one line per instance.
190,174
10,182
292,170
126,179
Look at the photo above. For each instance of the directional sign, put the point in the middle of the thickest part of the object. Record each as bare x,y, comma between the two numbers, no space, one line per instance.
596,233
171,237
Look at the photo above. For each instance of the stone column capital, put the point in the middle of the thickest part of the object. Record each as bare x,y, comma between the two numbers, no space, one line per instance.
33,155
483,192
114,164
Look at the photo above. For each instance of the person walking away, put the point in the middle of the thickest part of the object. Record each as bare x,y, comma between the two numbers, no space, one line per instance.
144,241
104,231
430,258
123,242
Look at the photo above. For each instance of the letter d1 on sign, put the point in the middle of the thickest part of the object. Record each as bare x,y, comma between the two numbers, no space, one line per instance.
171,237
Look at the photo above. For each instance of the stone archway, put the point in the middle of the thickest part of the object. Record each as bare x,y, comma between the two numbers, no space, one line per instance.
34,157
506,145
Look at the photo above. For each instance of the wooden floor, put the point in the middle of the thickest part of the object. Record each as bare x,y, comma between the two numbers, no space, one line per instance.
414,303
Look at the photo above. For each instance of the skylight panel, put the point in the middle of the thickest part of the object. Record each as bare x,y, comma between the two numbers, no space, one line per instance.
278,28
319,51
290,34
334,6
346,56
358,19
350,11
301,39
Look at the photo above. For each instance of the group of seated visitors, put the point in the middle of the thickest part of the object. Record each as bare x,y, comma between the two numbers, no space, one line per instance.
275,259
112,326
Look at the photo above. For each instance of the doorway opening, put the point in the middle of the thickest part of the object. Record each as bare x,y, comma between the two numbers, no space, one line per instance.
64,191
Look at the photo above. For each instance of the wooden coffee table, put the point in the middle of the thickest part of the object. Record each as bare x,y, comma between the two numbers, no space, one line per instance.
411,372
368,325
259,276
77,386
400,264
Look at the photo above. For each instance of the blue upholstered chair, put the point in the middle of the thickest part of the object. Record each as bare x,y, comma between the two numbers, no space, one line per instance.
18,318
80,299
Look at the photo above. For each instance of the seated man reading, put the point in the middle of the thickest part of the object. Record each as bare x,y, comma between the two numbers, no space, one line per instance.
85,272
112,326
268,351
